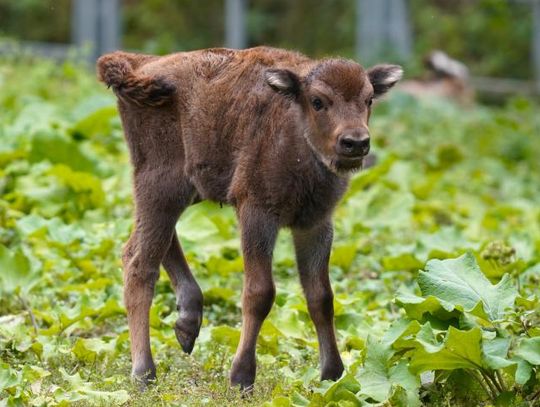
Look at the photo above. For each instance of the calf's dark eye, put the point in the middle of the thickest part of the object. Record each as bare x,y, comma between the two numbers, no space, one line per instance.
370,102
317,104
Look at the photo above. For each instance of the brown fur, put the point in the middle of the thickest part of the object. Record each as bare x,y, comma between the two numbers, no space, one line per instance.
273,133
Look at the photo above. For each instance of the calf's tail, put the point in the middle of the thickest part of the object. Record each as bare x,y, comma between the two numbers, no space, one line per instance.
118,71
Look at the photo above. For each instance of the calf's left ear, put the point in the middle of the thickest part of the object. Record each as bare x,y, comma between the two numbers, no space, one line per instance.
383,77
283,81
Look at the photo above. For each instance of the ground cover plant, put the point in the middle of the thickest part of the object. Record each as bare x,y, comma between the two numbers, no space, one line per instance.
436,263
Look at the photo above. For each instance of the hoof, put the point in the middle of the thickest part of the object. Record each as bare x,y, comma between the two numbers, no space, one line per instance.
144,377
332,372
187,330
243,375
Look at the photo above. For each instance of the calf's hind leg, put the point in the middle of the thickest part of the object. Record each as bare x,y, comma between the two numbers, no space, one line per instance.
159,200
189,298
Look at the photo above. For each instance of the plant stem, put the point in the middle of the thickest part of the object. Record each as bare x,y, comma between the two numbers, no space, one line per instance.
500,378
482,383
491,385
495,382
534,396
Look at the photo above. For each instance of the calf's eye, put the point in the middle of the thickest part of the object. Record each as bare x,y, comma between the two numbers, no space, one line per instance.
369,102
317,104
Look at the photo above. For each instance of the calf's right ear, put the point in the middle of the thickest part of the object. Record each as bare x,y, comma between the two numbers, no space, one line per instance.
383,77
283,81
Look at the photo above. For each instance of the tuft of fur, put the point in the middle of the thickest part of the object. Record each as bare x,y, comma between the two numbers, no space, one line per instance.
117,71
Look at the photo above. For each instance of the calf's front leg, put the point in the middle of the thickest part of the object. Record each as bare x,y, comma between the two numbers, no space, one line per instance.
259,231
312,248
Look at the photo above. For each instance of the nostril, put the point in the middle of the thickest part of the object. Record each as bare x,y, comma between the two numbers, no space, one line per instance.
347,143
365,146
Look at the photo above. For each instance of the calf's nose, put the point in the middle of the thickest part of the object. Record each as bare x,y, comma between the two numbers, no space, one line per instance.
353,144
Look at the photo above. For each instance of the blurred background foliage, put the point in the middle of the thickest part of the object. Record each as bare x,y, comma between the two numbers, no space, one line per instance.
492,37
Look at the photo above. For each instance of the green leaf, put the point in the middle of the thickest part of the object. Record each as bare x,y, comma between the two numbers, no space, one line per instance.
343,255
447,241
97,122
195,225
416,307
496,353
8,378
529,350
344,389
460,350
400,332
89,349
404,261
226,335
523,371
60,149
370,176
379,375
460,282
86,187
16,272
81,390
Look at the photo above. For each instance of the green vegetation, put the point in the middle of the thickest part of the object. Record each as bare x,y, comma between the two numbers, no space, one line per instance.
455,193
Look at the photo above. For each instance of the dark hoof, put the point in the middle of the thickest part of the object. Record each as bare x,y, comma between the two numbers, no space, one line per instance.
187,330
144,377
332,372
243,375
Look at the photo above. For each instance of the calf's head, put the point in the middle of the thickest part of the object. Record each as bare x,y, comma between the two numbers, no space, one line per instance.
335,99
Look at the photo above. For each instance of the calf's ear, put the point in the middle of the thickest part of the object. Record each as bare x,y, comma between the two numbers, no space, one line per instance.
283,81
383,77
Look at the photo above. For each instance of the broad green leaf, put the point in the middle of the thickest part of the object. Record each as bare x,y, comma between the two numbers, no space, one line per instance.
524,370
87,187
8,378
379,375
81,390
399,331
405,261
16,272
496,353
60,149
460,282
370,176
344,390
97,122
343,255
89,349
380,207
416,306
446,241
529,350
195,226
226,335
460,350
219,294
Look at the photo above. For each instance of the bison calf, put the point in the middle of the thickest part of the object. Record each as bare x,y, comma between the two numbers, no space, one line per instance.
271,132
